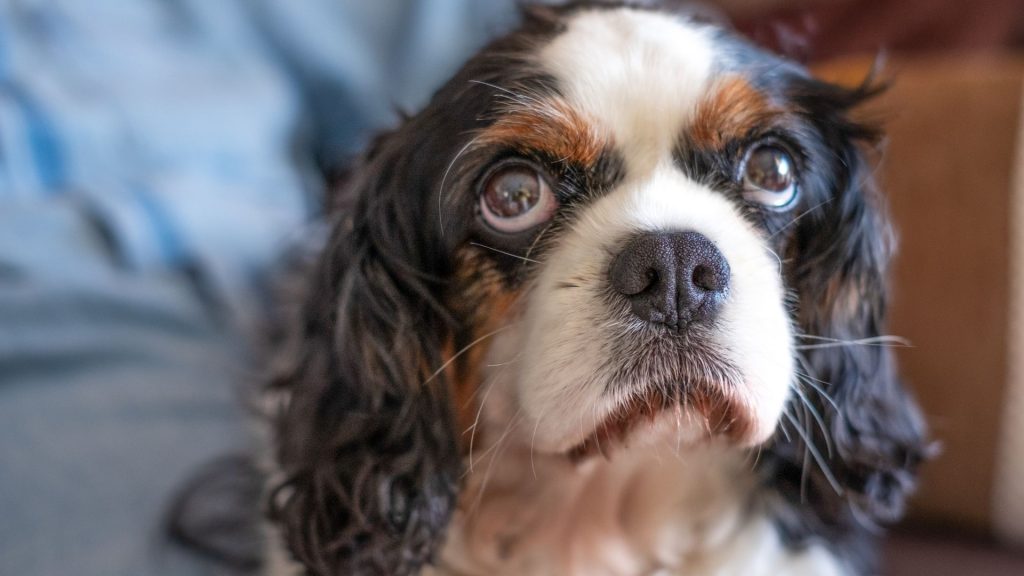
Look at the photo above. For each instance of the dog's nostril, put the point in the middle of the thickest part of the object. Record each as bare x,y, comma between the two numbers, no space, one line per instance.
652,279
711,278
637,273
702,278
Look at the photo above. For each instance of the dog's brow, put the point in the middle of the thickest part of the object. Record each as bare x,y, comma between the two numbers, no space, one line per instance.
549,126
733,109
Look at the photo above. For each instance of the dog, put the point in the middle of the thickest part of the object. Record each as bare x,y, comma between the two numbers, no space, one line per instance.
613,303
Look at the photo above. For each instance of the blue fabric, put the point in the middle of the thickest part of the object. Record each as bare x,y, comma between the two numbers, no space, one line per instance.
169,120
156,156
113,384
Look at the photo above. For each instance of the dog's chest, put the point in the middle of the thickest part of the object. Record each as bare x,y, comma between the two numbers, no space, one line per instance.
646,513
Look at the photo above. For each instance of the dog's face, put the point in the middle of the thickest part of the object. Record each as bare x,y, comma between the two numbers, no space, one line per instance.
635,195
624,220
651,211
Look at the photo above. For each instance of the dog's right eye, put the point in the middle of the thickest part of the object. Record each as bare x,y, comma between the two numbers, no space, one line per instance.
516,198
769,176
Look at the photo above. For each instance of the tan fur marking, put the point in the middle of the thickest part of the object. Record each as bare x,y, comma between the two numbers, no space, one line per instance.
733,110
550,126
481,289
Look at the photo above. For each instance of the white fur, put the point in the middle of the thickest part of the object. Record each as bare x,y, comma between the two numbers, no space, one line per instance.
649,511
639,74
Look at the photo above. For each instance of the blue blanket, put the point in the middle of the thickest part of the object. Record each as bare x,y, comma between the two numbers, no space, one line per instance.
156,156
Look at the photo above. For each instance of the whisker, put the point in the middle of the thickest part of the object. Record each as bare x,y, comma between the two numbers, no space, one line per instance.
523,258
808,380
817,418
476,422
490,449
882,341
440,192
517,358
537,239
533,442
501,445
881,338
817,457
757,458
517,97
785,431
679,423
777,257
467,348
805,464
797,218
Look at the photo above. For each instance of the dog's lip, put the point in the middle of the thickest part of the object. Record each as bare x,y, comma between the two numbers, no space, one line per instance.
614,429
715,403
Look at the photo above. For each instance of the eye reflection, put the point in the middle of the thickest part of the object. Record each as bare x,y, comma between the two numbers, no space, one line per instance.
769,176
516,198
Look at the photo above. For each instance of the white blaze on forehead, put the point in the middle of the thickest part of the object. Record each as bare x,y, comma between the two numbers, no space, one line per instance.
638,74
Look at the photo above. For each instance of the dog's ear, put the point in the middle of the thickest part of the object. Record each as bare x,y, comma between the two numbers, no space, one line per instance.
367,455
860,434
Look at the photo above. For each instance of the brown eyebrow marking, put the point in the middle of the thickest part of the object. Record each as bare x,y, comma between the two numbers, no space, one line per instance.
732,110
550,126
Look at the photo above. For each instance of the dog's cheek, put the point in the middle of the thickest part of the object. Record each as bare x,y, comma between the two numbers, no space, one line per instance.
755,330
485,304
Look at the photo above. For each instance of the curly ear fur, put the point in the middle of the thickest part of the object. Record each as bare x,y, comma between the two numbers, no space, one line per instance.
368,461
871,436
368,456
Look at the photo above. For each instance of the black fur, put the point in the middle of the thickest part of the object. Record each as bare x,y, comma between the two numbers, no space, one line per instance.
366,449
367,445
840,252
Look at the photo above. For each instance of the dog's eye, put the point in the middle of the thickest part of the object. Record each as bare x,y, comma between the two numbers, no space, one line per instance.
516,198
769,176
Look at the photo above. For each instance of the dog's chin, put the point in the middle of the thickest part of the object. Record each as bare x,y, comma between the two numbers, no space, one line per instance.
704,413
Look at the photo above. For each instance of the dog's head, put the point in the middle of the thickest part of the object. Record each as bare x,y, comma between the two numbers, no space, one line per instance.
629,224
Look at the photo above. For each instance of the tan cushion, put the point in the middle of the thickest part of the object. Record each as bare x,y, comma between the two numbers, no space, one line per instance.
933,555
949,170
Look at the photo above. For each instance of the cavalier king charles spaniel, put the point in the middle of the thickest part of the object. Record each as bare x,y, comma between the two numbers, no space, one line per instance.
611,304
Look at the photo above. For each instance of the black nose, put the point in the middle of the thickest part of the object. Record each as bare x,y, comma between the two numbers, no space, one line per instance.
672,278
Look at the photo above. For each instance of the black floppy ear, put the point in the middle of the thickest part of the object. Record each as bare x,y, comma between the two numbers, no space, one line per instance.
862,437
366,450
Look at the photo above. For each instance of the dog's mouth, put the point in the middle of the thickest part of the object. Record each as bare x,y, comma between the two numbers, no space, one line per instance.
682,383
615,428
699,411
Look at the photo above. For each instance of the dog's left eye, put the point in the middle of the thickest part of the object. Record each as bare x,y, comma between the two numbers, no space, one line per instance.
769,176
516,198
